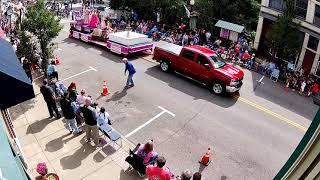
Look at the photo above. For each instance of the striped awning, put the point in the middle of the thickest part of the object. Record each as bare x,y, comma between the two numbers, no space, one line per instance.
230,26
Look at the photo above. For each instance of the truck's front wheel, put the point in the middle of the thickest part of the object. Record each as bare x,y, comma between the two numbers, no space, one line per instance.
165,66
218,88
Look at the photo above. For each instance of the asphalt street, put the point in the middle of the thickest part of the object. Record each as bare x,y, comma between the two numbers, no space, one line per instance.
252,135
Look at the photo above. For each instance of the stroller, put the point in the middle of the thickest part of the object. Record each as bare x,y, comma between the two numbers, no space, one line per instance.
136,162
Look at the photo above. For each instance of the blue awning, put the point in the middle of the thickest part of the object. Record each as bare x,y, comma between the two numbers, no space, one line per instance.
16,87
230,26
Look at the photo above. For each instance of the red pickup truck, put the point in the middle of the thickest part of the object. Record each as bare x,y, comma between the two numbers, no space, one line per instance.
201,64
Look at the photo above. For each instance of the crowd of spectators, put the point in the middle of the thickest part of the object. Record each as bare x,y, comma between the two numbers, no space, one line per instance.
240,52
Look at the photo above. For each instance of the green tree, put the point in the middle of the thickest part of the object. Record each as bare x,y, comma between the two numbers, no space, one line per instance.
147,9
243,12
25,47
44,26
284,38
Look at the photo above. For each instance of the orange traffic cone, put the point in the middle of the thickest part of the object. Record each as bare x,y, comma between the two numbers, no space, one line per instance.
286,88
205,160
57,60
105,90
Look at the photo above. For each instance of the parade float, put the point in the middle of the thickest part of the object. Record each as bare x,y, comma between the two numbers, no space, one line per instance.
88,27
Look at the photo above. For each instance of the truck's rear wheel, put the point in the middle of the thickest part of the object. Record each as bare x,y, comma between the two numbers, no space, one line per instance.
165,66
218,87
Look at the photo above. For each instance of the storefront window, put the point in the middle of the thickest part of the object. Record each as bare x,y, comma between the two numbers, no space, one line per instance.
277,4
318,69
313,43
316,19
301,7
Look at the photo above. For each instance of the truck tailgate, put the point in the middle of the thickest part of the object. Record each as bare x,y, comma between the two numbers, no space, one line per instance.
169,47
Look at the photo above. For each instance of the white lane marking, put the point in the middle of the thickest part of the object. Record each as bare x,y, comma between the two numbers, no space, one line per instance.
90,69
260,80
163,109
93,68
148,122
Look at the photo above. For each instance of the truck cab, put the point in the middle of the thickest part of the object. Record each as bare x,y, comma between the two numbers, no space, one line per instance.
201,64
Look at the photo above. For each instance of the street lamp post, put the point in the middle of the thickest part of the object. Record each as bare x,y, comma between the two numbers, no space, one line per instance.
9,13
191,4
192,16
20,7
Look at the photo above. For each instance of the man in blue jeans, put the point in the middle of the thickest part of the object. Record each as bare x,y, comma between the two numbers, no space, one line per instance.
132,71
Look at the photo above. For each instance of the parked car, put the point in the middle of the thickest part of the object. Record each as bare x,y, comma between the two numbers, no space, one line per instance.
201,64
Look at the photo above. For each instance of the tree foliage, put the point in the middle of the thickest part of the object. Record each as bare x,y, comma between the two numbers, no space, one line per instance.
284,38
43,25
244,12
147,9
25,47
237,11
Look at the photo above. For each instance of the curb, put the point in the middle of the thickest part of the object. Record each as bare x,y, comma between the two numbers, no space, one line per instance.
152,61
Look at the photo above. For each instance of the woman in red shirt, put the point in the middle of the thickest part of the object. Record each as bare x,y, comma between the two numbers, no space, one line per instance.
314,89
245,56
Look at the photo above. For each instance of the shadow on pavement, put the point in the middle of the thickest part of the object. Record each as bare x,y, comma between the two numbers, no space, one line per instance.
118,95
74,160
57,143
201,168
224,178
133,175
274,92
190,87
20,109
39,125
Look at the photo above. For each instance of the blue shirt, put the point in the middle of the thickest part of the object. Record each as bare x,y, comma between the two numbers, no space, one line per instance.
130,68
51,69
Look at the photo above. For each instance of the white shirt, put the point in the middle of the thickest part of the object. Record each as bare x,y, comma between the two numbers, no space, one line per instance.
14,46
303,85
103,118
208,35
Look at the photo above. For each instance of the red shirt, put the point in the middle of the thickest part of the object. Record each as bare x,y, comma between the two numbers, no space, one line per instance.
156,173
246,56
315,88
237,50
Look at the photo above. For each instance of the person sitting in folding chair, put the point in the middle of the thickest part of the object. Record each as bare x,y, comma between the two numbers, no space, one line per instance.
103,117
142,156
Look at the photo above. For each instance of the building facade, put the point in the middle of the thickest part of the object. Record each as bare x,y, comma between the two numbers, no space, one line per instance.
308,16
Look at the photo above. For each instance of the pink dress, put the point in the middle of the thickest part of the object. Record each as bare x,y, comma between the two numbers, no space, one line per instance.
146,156
94,21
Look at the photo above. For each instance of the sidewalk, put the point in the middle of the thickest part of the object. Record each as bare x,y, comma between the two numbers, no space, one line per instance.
47,140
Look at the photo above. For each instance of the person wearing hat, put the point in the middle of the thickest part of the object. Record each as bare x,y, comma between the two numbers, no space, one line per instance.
50,98
131,70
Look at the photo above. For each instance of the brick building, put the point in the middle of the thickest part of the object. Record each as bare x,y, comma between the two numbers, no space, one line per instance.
308,16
